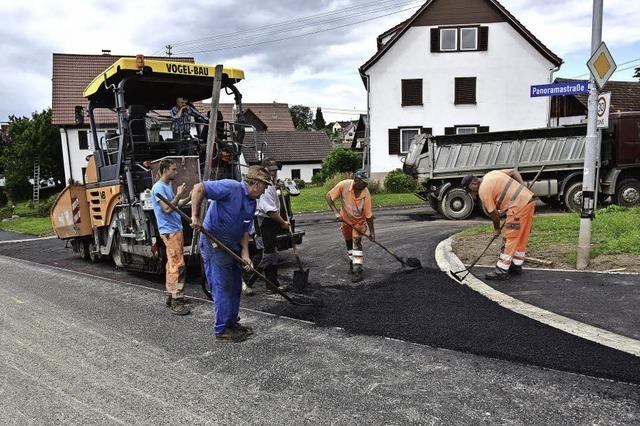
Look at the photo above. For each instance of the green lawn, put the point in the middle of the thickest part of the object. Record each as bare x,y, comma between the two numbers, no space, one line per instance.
616,230
39,226
312,198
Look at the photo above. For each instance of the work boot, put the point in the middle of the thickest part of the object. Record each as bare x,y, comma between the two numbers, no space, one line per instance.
178,306
246,290
236,326
350,268
168,297
357,274
230,335
515,269
497,275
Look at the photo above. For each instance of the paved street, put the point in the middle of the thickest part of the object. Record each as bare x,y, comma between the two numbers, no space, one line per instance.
399,347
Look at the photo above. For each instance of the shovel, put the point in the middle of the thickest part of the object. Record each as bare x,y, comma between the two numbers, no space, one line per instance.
301,276
299,300
411,262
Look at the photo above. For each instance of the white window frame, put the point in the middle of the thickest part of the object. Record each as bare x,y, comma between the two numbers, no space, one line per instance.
475,130
455,32
419,129
474,29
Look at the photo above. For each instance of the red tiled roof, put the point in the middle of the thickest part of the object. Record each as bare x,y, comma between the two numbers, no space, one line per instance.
71,74
625,96
275,116
290,147
399,30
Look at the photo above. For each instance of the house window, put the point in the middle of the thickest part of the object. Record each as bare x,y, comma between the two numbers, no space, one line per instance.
83,141
405,138
469,38
465,90
84,175
315,172
412,92
295,173
448,39
465,130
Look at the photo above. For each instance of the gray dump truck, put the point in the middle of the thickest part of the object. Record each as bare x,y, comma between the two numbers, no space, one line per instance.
440,162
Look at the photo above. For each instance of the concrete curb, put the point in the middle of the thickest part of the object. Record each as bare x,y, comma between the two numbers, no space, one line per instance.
448,261
26,240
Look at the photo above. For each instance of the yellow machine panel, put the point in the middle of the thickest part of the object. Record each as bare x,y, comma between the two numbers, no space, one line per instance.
70,213
102,201
91,174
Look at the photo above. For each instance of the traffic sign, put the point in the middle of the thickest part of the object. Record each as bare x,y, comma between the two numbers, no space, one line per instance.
577,87
601,65
604,103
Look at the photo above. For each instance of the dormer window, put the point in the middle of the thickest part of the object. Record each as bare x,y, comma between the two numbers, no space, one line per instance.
459,39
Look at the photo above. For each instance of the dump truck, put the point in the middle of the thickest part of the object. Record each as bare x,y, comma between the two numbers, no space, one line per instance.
440,163
111,215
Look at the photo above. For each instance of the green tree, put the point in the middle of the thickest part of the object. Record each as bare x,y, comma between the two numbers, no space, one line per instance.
318,122
340,160
302,117
30,139
637,73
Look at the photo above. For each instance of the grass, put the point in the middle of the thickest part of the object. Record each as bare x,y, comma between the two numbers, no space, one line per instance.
312,199
39,226
616,230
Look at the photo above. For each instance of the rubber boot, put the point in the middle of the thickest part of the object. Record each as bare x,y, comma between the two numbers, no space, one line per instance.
515,269
357,274
178,306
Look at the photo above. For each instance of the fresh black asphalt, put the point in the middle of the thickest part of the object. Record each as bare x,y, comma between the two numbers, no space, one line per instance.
423,306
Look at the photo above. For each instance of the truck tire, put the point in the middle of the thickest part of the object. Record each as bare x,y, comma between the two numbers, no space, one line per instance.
628,192
83,249
457,204
572,198
116,251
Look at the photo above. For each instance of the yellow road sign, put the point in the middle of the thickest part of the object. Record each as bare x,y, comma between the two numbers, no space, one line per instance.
601,65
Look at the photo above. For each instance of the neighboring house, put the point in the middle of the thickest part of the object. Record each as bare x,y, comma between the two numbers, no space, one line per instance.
567,110
455,66
71,74
344,131
265,117
300,153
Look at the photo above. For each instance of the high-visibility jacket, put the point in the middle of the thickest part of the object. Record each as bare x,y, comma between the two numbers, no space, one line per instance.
354,210
500,191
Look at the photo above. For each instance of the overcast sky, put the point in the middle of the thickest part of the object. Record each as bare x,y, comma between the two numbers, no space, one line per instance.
319,69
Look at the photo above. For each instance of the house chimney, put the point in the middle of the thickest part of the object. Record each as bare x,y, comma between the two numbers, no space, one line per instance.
106,51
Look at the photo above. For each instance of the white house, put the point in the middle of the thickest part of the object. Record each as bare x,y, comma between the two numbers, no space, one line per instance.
455,66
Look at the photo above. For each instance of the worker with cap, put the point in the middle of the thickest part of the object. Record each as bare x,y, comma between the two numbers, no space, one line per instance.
505,191
229,219
356,216
268,223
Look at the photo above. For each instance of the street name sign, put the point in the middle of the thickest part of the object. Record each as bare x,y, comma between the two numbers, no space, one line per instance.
601,65
578,87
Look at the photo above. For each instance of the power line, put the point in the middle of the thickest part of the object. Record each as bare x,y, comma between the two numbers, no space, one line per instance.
298,35
624,63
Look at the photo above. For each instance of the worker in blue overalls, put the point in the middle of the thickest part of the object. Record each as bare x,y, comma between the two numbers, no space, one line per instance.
229,219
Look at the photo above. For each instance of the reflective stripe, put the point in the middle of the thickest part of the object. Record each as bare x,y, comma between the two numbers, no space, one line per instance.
505,256
513,225
503,265
504,194
358,253
519,253
358,260
518,262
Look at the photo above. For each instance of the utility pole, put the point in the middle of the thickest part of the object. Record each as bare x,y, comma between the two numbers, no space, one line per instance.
168,48
591,150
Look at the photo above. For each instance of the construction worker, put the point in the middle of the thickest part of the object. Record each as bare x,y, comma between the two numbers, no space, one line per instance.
181,118
170,227
269,223
229,219
505,191
356,216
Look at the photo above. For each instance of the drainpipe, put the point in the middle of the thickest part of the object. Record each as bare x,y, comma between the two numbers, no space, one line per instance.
366,158
551,72
66,141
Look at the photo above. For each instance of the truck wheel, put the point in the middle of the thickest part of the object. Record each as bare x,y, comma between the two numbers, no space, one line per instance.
628,193
83,248
116,251
572,197
94,254
457,204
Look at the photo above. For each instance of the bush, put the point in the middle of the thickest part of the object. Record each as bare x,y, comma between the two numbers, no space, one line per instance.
6,212
317,179
335,179
44,207
375,187
3,199
300,183
399,182
340,160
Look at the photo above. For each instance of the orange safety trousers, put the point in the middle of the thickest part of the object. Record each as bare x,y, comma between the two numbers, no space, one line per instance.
356,255
516,236
175,270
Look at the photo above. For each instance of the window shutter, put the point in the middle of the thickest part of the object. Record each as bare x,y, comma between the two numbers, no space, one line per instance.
412,92
449,130
465,91
435,39
427,131
483,129
483,38
394,141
